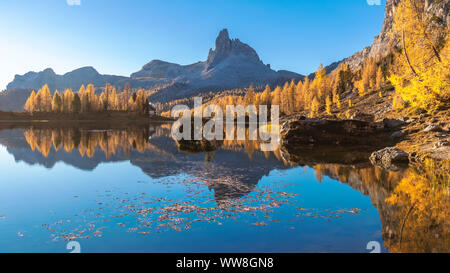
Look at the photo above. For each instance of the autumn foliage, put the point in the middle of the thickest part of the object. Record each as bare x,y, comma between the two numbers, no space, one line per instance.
312,95
86,100
422,76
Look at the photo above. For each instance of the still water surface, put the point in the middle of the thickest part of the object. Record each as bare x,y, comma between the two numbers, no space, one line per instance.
133,190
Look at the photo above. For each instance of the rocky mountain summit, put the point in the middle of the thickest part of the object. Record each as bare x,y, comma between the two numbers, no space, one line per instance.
226,48
228,56
232,64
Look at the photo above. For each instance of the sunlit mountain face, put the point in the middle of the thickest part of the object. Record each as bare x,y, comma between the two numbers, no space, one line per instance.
95,185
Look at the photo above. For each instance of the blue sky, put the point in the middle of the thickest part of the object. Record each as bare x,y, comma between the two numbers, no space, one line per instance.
119,37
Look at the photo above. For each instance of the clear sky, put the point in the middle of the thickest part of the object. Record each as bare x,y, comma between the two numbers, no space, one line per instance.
120,36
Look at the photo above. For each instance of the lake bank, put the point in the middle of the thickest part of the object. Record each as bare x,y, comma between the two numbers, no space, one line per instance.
109,118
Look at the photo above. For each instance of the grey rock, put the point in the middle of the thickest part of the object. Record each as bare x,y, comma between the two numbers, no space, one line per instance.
433,128
442,143
397,135
225,47
389,158
423,115
393,123
362,116
304,131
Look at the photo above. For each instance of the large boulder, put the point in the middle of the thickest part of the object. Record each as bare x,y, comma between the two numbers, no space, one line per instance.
433,128
362,116
398,135
311,131
393,123
390,158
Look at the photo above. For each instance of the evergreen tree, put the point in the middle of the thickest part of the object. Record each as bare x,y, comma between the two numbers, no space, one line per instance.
44,99
57,102
298,96
315,106
265,96
30,104
291,97
67,101
76,104
91,98
328,105
284,99
249,97
276,96
126,96
379,77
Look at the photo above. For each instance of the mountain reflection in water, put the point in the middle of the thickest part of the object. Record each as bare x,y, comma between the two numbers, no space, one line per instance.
412,210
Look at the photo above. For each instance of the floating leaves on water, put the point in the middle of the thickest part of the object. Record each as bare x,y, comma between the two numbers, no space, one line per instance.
146,214
353,210
259,224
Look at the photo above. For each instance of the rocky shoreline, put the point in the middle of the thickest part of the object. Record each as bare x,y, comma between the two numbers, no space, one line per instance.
389,143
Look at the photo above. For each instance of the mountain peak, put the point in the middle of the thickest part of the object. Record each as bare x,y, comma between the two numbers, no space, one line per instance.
48,71
87,70
225,47
223,42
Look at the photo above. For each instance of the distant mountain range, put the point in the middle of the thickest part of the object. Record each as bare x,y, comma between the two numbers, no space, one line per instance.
232,64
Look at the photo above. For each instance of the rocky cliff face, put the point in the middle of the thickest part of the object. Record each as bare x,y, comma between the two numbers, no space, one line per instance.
383,42
225,48
231,64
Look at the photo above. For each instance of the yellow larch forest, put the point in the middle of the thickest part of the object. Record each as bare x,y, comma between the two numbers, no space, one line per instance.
87,101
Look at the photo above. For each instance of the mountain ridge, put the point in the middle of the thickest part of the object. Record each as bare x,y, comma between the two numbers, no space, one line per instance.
232,64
